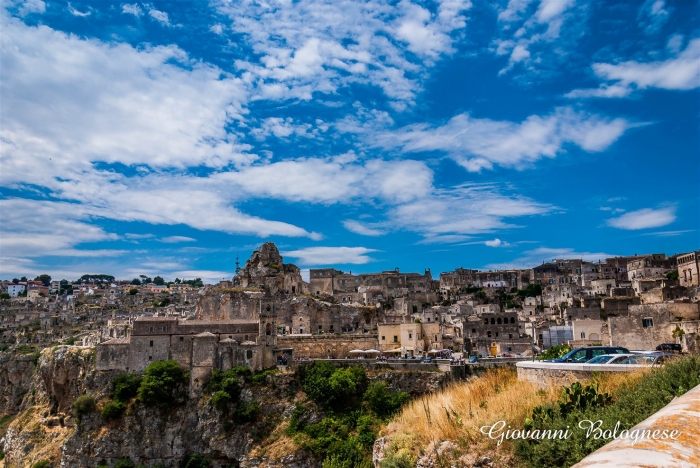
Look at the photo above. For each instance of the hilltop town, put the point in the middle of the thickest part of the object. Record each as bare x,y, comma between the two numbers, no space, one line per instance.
268,315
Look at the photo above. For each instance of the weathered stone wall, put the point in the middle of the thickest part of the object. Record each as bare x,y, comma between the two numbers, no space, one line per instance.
112,356
322,346
544,374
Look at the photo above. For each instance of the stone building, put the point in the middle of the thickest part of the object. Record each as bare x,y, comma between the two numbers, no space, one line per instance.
689,269
649,266
199,345
265,270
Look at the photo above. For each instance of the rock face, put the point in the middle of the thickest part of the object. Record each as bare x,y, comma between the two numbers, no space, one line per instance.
266,271
414,383
15,381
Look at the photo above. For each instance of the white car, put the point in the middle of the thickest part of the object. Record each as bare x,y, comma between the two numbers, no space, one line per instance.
618,359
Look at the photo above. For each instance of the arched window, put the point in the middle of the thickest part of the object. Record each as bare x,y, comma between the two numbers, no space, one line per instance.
512,320
268,329
493,322
498,321
249,354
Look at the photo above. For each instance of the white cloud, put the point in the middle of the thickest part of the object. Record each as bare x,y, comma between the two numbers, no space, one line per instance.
282,128
132,9
362,229
319,46
75,12
653,15
68,102
331,255
31,6
160,16
481,143
496,243
469,209
533,36
681,72
177,239
34,228
644,219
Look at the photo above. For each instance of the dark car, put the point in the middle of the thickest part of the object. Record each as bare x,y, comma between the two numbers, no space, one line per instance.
675,347
581,355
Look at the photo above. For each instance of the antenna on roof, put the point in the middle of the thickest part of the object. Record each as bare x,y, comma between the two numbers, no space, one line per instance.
238,265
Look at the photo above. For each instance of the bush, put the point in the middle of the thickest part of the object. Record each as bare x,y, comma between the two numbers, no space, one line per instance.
196,460
124,463
125,387
161,384
630,406
112,410
42,464
247,411
555,352
220,400
83,405
71,341
333,388
383,402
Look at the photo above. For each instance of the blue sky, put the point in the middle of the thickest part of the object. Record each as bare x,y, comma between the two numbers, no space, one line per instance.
165,138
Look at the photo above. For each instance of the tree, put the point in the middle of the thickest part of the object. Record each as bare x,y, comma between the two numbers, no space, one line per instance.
159,281
133,291
15,280
4,295
23,279
45,279
672,275
136,282
177,281
161,384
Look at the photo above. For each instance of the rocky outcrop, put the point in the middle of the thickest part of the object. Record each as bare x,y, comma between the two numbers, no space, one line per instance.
15,380
414,383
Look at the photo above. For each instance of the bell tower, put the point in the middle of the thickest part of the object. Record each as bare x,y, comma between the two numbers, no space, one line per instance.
268,323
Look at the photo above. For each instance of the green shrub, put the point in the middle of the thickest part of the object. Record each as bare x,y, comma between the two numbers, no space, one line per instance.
383,402
162,384
630,405
247,411
124,463
71,341
125,387
83,405
220,400
196,460
259,378
112,410
333,388
42,464
555,352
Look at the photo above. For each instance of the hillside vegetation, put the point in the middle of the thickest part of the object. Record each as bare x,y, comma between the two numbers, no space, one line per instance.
445,427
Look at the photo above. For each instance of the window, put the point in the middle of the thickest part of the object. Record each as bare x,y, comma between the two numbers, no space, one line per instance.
473,330
320,327
496,334
583,335
510,336
486,321
493,321
150,329
579,356
182,338
383,338
150,358
498,321
410,336
151,345
165,328
647,323
512,320
396,339
488,333
249,354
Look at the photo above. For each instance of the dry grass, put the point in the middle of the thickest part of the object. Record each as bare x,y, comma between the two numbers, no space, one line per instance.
276,445
457,413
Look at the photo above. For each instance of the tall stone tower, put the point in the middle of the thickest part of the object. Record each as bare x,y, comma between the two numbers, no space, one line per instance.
267,335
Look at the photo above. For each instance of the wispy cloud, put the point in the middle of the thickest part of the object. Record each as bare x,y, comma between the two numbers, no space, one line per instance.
331,255
644,219
177,239
652,15
680,72
532,258
478,144
361,228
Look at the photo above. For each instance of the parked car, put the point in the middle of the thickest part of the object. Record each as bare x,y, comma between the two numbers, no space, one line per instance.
428,360
674,347
581,355
473,359
619,359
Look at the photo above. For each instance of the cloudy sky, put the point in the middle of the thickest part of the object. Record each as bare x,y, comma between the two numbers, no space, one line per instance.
168,137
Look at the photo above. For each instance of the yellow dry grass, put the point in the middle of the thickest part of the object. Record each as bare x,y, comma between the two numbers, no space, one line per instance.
457,412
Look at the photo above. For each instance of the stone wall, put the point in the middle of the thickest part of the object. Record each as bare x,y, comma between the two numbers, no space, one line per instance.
544,374
322,346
